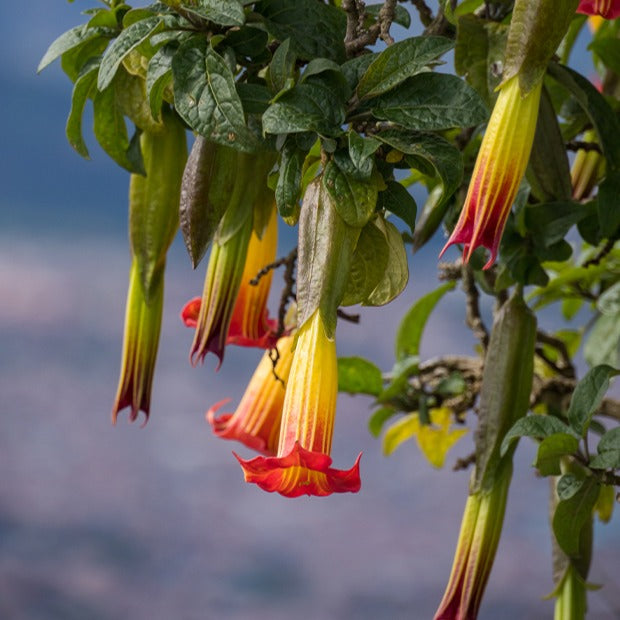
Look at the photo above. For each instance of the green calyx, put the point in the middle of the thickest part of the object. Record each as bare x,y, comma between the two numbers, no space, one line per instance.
536,30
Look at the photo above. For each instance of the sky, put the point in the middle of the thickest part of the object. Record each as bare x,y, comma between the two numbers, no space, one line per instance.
104,522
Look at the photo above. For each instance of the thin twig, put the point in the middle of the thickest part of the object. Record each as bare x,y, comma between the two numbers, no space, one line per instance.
566,369
464,463
604,251
345,316
472,318
426,15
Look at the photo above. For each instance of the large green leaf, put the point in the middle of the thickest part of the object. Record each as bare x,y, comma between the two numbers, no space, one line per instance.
221,12
288,187
307,107
315,29
603,343
159,77
431,101
84,86
536,426
608,449
130,38
397,200
551,450
399,62
412,325
206,98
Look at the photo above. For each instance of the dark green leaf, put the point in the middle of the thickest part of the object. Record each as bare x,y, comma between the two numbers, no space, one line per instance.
551,450
307,107
598,110
282,67
397,200
444,158
221,12
288,187
368,266
608,50
361,149
357,375
127,40
354,69
608,451
431,101
412,326
568,485
82,90
400,61
315,29
572,514
550,222
70,40
354,200
254,97
247,41
159,77
111,132
206,98
588,395
536,426
609,205
396,273
378,419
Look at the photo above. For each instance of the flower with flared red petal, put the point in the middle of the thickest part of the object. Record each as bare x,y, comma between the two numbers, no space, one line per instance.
140,343
256,422
475,551
249,324
608,9
302,465
499,169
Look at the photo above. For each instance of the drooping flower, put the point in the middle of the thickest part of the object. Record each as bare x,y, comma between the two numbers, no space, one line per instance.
140,343
302,465
250,325
477,543
587,170
256,422
608,9
498,171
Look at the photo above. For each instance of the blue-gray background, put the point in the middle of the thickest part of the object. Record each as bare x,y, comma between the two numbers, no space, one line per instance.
102,522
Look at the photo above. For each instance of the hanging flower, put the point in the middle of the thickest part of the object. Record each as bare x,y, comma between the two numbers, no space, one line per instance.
608,9
256,422
587,170
302,465
475,551
498,171
250,325
140,343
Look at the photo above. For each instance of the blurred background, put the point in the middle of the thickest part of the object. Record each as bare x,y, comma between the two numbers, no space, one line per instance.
101,522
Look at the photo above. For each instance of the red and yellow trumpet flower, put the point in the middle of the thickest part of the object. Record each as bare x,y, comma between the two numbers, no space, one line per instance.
249,324
499,169
302,465
607,9
256,422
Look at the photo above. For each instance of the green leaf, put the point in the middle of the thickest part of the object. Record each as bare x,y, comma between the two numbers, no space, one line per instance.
401,15
307,107
282,67
550,222
572,514
412,326
84,86
608,50
354,200
357,375
206,98
378,419
70,40
444,158
221,12
159,77
315,29
354,69
608,449
609,301
596,107
602,345
247,41
587,397
127,40
288,187
400,61
111,132
431,101
535,426
368,266
568,485
396,273
551,450
397,200
254,97
608,207
361,149
403,429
